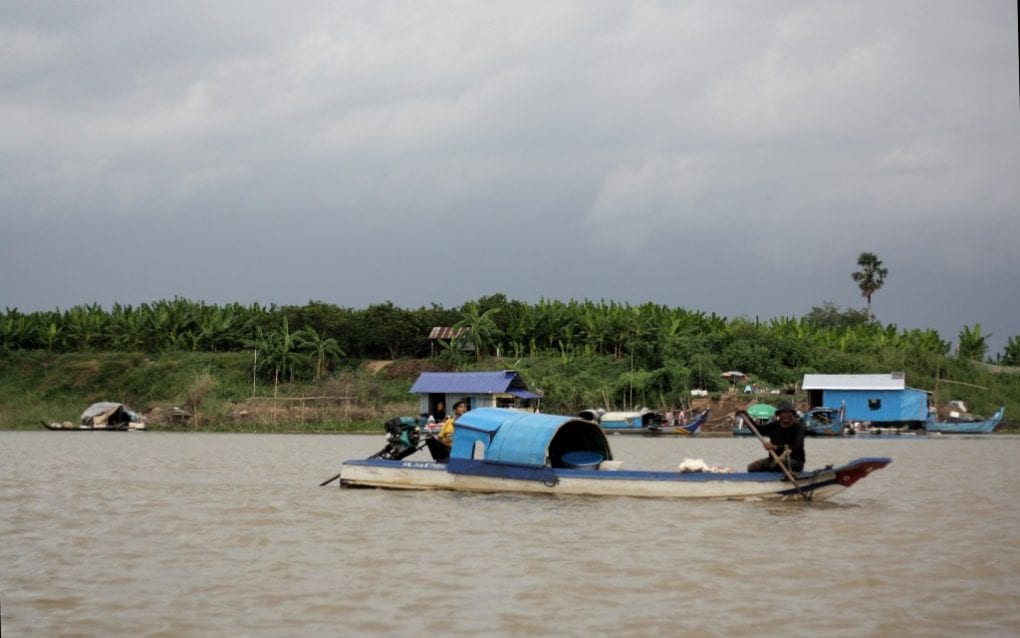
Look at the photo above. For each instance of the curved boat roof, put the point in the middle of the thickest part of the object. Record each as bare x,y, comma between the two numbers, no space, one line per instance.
525,439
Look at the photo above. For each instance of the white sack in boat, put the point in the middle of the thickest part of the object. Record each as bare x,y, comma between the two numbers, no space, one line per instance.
699,465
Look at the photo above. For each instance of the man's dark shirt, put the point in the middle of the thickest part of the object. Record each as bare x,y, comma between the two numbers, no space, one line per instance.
783,438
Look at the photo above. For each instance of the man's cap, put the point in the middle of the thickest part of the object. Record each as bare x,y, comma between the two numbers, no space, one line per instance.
785,406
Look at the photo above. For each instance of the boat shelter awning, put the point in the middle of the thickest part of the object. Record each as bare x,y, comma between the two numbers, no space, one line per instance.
525,439
108,414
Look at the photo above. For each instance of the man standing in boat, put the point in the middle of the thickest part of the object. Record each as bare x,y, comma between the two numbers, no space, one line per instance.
785,433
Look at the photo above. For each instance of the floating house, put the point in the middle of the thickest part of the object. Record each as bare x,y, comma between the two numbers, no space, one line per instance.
881,399
438,391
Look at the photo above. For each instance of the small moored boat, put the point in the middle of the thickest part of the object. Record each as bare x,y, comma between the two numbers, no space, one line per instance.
823,421
497,450
690,426
103,416
645,421
966,426
632,422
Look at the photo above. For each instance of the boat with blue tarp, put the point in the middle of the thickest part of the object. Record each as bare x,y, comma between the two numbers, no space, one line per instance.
499,450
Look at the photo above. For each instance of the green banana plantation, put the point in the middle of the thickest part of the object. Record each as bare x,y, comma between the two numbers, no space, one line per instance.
305,341
579,353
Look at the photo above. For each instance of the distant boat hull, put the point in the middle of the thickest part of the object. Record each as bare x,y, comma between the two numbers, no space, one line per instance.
57,427
628,422
691,427
966,427
647,423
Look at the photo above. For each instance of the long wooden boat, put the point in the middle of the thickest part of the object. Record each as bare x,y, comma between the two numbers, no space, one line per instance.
498,450
966,427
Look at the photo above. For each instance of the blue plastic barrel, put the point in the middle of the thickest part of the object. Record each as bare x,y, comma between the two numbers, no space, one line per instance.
582,460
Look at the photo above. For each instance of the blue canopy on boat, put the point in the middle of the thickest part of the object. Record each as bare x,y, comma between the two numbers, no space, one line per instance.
526,439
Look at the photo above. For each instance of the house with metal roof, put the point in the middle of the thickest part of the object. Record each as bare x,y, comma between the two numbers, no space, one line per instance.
451,334
882,399
438,391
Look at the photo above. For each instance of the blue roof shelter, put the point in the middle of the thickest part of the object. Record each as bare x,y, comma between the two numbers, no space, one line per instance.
438,391
876,398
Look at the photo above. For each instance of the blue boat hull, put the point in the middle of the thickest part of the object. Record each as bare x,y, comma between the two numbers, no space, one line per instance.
651,424
966,427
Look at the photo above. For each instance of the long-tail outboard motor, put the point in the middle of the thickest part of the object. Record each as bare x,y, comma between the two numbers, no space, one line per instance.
403,438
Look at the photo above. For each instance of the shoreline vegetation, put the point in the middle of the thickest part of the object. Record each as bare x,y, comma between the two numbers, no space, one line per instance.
191,366
215,392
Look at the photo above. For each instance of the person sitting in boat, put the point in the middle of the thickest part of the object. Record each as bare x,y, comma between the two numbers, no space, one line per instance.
785,433
440,445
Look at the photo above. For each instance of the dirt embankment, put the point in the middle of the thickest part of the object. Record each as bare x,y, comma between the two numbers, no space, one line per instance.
723,407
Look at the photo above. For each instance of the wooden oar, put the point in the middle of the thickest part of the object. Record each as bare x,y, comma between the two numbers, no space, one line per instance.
778,460
325,483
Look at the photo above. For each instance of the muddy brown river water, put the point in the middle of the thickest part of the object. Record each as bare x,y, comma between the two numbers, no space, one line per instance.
175,534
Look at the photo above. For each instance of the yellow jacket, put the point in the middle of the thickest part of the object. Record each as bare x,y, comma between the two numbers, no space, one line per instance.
446,432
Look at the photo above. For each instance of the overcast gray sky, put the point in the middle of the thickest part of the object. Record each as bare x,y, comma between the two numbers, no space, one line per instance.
729,157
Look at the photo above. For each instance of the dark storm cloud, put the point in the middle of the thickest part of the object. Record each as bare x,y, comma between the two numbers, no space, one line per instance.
726,157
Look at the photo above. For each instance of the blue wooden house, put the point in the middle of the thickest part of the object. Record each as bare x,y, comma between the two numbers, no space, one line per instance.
881,399
438,391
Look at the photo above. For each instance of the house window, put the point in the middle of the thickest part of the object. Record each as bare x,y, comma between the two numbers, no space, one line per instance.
504,402
874,404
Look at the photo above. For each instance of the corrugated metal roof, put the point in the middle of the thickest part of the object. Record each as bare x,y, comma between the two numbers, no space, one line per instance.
891,381
445,332
469,383
524,394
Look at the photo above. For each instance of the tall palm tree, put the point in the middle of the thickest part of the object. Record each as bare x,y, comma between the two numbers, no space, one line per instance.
870,277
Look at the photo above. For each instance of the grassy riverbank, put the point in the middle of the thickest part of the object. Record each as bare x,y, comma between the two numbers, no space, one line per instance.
215,392
188,391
